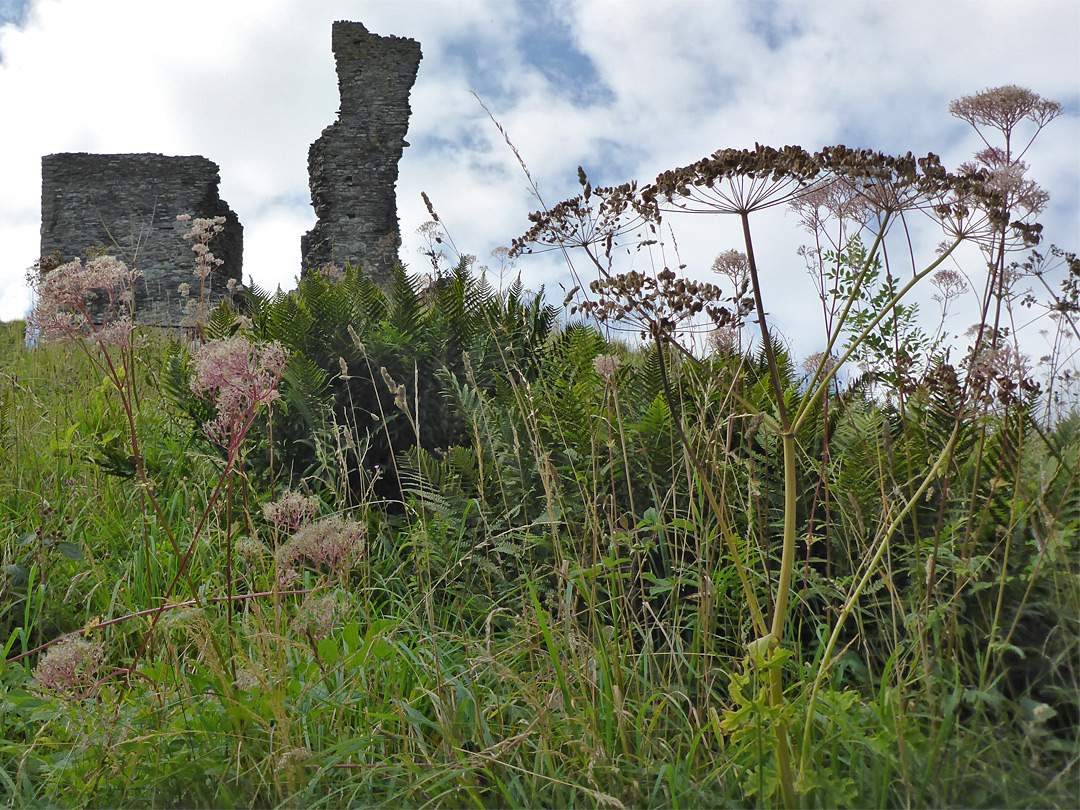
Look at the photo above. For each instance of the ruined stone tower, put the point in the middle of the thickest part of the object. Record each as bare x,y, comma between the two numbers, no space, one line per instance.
127,205
353,167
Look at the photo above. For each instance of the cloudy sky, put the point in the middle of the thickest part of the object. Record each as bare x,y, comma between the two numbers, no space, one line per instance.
625,88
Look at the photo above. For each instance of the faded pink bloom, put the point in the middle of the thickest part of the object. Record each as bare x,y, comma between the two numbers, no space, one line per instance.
247,680
605,366
249,549
320,616
733,264
202,233
1007,178
331,272
829,202
70,668
727,339
334,542
238,376
810,364
77,301
291,510
950,284
287,576
293,757
1002,108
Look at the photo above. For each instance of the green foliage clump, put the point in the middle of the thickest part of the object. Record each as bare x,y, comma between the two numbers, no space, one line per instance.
462,554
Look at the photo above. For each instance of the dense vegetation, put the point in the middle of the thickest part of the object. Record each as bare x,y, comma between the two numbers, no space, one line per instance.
441,545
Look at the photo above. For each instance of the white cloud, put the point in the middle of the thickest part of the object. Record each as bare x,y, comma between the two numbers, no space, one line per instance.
626,89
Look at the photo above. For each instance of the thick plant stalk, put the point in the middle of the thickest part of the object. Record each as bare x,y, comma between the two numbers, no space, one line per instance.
787,560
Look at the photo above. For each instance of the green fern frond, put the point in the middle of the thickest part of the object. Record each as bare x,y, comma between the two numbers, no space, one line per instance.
221,323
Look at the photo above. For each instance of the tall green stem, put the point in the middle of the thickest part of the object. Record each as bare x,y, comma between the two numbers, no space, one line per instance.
787,559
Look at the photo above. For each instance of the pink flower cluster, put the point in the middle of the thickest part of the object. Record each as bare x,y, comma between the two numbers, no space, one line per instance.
239,376
291,510
201,233
79,301
331,272
320,617
333,542
70,668
606,365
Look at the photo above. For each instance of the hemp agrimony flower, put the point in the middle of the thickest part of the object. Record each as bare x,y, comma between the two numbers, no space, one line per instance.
201,234
291,510
76,301
70,668
334,542
239,376
605,366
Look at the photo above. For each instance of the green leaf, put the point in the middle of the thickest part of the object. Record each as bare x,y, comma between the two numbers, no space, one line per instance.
329,651
17,573
351,634
71,551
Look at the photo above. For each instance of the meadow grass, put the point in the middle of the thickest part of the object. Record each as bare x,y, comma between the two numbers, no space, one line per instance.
430,546
477,658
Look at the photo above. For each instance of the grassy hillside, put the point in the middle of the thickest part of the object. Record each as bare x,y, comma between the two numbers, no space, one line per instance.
442,545
547,614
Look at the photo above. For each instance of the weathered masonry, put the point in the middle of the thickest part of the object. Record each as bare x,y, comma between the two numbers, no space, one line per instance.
353,167
127,206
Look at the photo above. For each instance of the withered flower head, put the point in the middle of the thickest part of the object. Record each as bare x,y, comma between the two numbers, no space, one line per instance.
657,306
598,217
1002,108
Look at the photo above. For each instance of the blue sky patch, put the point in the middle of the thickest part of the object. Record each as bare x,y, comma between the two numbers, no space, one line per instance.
773,23
14,11
547,43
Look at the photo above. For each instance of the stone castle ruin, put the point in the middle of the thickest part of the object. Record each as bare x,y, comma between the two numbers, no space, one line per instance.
353,167
127,204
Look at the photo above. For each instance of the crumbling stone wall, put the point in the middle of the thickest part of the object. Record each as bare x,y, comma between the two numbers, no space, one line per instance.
353,167
128,205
